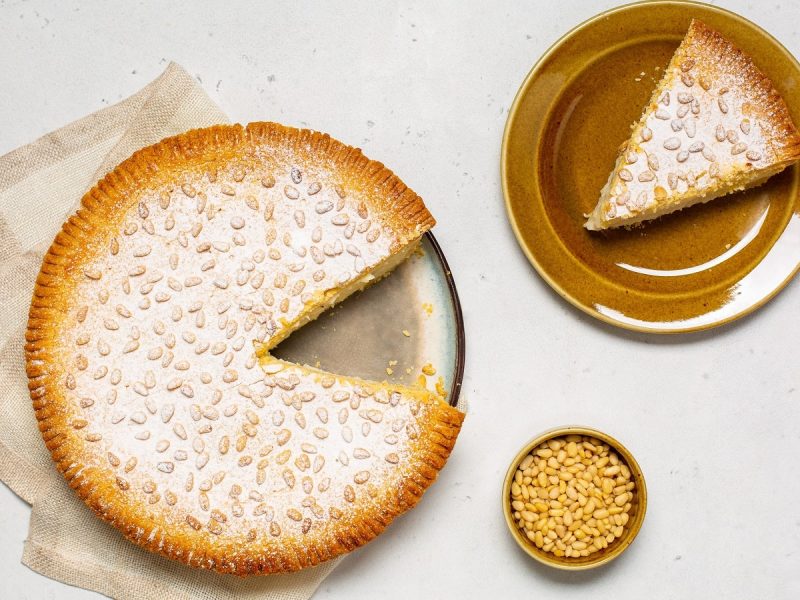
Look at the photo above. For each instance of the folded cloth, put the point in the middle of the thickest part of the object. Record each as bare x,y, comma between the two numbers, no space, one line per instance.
40,185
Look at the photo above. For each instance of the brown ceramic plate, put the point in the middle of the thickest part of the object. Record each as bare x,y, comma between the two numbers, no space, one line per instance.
364,336
695,269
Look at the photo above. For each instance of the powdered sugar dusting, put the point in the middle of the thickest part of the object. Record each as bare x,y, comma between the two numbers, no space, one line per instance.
162,380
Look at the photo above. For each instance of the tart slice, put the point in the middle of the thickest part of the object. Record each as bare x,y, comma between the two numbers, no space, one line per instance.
714,125
142,362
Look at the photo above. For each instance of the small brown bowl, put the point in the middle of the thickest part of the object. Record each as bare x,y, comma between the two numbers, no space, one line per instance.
618,546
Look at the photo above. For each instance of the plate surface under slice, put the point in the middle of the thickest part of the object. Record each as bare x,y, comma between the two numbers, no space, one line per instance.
366,335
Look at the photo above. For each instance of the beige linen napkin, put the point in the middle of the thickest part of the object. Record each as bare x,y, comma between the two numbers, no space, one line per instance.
40,184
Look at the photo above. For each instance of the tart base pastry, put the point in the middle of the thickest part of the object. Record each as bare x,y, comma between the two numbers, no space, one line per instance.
714,125
148,364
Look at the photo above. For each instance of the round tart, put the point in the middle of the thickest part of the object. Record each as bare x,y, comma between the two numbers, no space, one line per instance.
148,351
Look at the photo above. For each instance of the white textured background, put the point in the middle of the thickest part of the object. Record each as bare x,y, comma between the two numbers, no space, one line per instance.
713,418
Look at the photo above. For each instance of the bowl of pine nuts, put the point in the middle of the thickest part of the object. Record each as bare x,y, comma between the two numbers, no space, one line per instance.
574,498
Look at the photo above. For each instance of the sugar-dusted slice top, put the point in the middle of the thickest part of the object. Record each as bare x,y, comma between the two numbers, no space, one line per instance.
714,125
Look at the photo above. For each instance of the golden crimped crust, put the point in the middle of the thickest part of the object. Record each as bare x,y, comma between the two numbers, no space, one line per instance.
714,125
105,366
